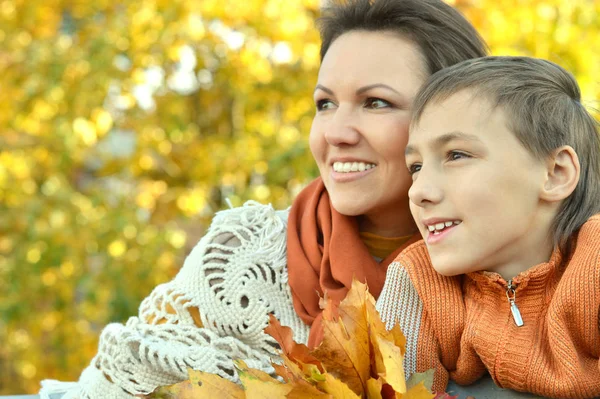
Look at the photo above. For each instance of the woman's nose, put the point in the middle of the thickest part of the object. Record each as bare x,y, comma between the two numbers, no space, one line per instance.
425,190
343,128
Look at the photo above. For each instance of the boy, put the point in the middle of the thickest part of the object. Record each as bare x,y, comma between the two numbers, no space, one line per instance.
506,181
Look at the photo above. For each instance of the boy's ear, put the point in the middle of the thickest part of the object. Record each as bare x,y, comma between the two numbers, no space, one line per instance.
563,171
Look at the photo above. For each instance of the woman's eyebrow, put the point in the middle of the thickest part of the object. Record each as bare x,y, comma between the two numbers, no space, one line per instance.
360,90
325,89
374,86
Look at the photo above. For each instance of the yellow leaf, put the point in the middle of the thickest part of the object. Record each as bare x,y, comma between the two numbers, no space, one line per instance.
345,350
418,391
426,378
243,369
378,327
390,367
374,388
182,390
207,385
258,389
337,388
260,385
304,390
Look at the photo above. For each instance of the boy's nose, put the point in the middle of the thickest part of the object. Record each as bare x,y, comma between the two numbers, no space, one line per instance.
425,191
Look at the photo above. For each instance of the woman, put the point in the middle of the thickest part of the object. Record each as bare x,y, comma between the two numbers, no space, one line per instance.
352,221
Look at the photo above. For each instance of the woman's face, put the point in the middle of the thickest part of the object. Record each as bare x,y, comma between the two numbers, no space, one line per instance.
366,86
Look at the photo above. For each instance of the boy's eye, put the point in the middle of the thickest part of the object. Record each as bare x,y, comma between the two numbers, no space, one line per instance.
376,103
414,168
324,104
456,155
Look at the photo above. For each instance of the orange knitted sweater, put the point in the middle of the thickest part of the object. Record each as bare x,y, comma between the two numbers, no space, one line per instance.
463,325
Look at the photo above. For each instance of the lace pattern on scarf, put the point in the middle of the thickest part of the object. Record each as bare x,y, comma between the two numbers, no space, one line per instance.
232,280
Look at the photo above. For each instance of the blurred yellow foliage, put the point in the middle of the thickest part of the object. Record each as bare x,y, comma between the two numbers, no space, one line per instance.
125,125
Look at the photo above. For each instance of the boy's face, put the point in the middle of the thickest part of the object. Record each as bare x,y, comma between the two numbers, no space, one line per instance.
472,176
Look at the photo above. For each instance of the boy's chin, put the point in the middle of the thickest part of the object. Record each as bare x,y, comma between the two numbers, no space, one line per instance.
447,268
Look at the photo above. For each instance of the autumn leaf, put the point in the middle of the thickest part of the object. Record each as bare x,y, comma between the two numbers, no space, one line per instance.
182,390
212,385
200,385
374,387
337,388
390,364
357,358
345,350
426,378
444,395
298,353
303,390
418,391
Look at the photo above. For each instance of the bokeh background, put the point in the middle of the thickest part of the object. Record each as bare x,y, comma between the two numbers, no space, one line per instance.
124,126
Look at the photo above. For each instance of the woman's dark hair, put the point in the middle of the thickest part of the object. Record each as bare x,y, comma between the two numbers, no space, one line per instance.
443,35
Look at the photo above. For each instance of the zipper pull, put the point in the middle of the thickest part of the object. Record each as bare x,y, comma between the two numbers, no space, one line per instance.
512,297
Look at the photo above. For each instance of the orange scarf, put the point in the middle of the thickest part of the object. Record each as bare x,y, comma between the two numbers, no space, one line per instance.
324,252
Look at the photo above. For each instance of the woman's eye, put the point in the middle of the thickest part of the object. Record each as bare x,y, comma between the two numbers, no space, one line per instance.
325,104
414,168
376,103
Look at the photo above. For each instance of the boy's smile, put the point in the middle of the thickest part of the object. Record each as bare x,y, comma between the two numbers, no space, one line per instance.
476,190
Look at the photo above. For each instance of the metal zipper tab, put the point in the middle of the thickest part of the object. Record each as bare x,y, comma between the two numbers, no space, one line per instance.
514,309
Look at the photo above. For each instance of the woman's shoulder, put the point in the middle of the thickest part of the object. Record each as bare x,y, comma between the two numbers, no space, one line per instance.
247,235
251,214
237,273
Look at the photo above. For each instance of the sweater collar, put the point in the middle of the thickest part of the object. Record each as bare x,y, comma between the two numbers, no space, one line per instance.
538,272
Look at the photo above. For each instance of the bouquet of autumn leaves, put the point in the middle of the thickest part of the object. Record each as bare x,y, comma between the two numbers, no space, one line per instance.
358,358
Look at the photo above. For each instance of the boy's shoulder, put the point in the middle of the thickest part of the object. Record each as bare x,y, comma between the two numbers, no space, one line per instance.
585,258
593,221
588,238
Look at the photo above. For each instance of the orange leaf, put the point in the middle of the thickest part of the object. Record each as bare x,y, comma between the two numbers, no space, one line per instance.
298,353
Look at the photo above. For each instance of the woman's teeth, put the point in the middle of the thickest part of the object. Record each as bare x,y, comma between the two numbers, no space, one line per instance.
438,227
345,167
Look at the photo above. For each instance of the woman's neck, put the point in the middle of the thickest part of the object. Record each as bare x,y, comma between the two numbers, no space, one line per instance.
386,224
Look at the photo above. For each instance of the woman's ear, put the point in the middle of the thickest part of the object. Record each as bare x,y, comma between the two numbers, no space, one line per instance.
563,171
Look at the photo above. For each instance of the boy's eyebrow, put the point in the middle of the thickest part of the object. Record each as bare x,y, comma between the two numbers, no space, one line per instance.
445,139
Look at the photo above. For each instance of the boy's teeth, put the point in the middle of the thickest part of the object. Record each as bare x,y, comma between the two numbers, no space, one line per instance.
436,228
346,167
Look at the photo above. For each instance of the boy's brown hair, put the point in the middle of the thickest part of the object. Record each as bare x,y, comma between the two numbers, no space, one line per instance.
442,34
542,103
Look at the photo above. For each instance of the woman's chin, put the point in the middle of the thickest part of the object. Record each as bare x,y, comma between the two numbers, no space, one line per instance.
348,207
